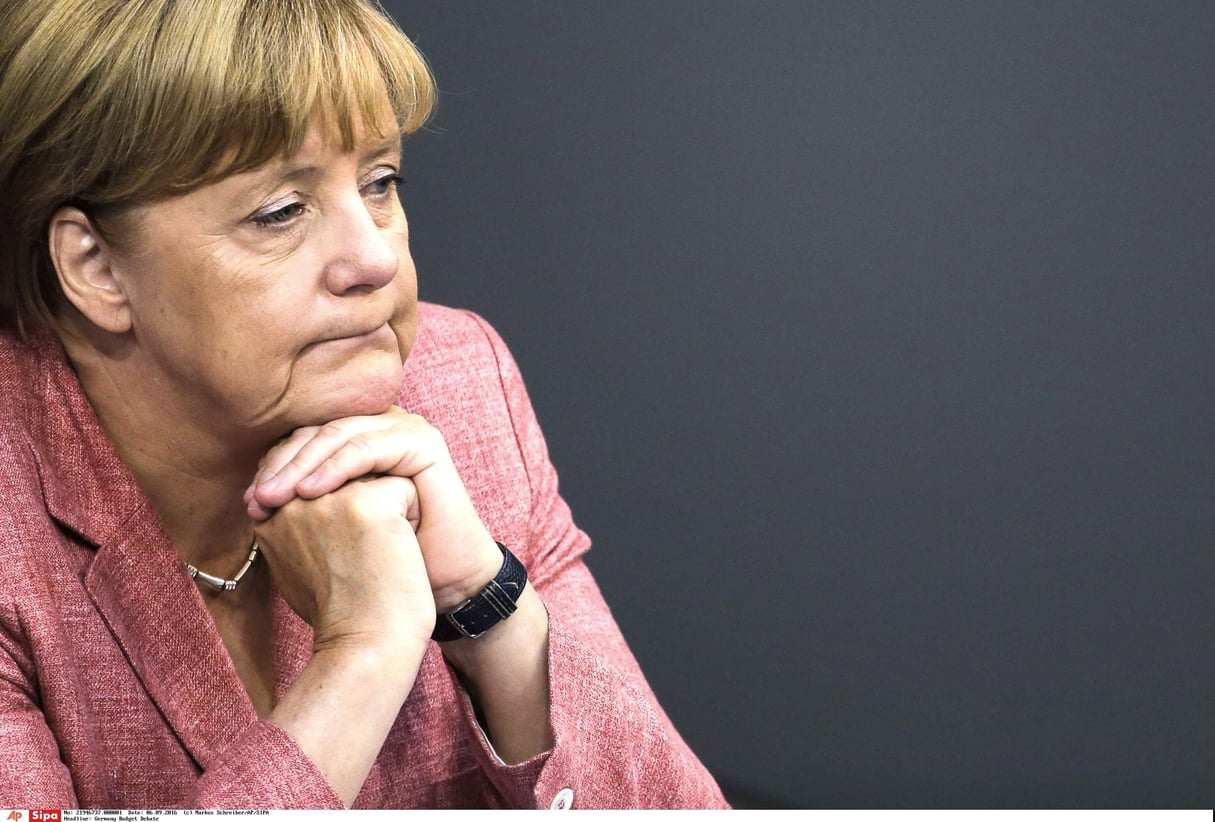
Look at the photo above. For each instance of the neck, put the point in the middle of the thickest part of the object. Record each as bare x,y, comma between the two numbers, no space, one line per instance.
193,473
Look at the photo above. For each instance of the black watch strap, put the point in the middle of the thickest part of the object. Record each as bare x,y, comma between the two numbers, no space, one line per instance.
494,603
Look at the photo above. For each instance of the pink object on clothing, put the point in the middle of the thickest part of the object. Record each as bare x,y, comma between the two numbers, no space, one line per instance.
116,690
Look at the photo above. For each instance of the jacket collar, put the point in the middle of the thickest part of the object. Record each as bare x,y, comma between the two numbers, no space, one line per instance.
137,579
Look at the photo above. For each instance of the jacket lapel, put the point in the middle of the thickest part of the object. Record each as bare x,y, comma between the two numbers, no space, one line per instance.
158,617
136,580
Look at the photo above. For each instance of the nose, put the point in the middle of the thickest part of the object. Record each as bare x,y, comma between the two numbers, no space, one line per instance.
361,257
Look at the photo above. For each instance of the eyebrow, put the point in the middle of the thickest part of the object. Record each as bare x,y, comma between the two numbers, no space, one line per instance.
291,172
391,146
287,171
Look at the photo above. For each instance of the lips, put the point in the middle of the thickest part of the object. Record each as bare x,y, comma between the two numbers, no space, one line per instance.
357,333
360,334
357,337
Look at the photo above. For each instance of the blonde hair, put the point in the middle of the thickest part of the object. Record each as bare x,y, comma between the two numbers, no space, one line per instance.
109,103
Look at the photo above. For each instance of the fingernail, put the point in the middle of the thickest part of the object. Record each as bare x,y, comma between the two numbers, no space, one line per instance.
259,512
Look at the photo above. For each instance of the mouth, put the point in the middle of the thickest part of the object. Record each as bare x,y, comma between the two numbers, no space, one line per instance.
359,337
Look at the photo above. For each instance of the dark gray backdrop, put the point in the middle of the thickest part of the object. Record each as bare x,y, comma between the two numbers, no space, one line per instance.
873,343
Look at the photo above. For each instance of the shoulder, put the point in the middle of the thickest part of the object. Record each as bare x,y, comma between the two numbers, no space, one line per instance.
458,353
447,333
21,383
23,402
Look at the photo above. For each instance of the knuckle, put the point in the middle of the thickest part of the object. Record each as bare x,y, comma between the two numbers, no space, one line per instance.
362,444
376,501
304,433
331,430
365,506
291,443
284,516
432,435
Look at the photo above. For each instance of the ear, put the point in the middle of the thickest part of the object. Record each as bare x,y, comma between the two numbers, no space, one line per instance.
85,265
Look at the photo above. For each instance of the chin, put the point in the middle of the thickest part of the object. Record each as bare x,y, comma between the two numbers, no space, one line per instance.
374,396
365,393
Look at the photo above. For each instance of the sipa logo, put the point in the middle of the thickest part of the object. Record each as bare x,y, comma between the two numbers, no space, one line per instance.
44,816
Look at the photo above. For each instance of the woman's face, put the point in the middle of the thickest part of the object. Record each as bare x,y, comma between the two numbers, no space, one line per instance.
280,297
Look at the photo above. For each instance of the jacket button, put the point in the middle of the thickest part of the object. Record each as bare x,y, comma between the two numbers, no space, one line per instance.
563,801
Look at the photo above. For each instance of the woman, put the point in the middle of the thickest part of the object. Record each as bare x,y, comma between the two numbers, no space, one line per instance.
233,515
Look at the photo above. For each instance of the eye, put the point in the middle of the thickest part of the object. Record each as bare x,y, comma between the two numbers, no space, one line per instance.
279,215
382,185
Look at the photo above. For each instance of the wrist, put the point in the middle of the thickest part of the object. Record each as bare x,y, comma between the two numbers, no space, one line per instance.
380,644
491,605
487,563
523,636
392,665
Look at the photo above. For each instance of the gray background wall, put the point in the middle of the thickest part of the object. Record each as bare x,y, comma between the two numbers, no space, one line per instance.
873,342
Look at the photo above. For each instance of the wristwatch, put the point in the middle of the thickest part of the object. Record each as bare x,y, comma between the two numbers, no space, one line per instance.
495,602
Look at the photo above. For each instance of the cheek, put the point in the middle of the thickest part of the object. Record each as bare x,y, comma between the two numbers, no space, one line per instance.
216,292
274,301
168,308
405,328
405,319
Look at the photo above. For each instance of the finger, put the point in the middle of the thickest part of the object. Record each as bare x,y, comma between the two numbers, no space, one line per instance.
297,458
359,456
278,456
259,512
404,494
395,452
409,447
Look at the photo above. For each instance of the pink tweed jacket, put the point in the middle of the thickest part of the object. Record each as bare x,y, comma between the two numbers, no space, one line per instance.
116,691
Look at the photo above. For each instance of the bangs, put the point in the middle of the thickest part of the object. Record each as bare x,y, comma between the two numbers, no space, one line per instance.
312,57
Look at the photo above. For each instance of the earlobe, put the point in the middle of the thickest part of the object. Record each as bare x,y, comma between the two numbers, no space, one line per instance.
85,265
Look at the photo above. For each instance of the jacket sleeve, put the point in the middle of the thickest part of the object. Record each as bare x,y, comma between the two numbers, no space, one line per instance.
614,745
292,780
33,775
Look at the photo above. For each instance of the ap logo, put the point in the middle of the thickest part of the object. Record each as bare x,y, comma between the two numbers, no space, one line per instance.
14,816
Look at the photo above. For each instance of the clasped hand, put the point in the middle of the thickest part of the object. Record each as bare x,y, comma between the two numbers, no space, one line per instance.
367,526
